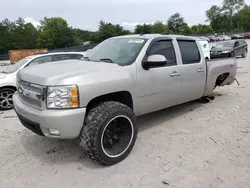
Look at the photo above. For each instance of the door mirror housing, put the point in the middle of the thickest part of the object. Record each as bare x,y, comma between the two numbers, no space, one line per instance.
236,44
154,61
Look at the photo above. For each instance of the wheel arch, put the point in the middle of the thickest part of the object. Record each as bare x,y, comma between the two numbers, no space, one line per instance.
9,87
221,78
123,97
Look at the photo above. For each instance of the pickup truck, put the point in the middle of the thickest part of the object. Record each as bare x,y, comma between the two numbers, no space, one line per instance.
97,99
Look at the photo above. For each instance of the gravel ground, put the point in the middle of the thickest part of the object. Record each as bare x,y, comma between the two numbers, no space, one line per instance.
193,145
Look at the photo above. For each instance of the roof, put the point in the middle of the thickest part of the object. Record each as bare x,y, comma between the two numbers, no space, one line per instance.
151,36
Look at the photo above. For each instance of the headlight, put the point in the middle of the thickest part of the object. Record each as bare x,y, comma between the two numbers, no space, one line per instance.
63,97
225,52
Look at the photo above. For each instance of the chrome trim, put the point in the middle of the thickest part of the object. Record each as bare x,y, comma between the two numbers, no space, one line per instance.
31,94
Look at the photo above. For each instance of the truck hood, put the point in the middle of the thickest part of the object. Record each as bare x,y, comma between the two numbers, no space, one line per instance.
52,73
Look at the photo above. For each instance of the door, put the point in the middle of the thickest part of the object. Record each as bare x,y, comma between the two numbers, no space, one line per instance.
237,48
242,47
193,71
159,87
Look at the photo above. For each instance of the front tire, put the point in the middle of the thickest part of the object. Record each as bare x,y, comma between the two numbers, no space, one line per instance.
6,102
109,133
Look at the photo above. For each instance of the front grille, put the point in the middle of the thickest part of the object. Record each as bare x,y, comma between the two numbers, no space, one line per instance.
31,94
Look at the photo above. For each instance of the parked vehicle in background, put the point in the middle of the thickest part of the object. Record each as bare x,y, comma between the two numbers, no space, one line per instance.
202,38
97,101
205,49
246,35
237,36
224,37
213,38
8,73
231,48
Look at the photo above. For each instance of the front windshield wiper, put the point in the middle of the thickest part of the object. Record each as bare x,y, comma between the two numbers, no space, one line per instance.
3,72
107,60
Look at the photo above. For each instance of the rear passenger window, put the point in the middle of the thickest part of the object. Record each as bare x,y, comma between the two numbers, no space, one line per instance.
61,57
189,52
40,60
166,49
76,56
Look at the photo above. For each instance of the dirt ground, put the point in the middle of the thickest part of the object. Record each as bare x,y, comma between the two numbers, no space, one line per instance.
193,145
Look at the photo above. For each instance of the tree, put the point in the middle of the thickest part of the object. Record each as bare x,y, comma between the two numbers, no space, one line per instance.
214,16
107,30
6,36
202,29
55,33
219,20
241,20
176,23
230,6
145,29
159,27
24,35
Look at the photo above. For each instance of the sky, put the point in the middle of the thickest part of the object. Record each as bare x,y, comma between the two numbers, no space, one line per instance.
86,14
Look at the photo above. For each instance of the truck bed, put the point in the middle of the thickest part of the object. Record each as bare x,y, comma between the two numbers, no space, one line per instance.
220,72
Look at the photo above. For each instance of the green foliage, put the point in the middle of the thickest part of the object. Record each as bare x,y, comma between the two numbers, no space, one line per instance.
225,18
159,27
241,19
145,29
201,29
55,33
177,24
107,30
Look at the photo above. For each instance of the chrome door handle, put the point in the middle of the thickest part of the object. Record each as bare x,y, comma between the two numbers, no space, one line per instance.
175,74
200,70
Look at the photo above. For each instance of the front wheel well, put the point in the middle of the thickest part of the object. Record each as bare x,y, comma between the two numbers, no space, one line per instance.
123,97
9,87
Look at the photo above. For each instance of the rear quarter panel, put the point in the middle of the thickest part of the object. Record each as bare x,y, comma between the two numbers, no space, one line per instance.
217,67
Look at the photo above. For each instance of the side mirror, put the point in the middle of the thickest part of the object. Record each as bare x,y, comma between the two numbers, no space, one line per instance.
154,61
236,44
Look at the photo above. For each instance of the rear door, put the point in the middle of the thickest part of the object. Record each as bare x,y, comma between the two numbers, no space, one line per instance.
193,70
237,48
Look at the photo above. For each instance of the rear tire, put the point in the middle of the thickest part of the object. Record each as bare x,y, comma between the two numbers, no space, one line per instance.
244,54
6,102
109,133
232,54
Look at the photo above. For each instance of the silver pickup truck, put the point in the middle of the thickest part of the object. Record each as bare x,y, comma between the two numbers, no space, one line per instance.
97,99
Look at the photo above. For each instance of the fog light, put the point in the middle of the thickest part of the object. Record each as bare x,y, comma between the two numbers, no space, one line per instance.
54,132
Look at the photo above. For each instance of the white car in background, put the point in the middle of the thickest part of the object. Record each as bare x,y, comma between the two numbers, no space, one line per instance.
205,48
8,73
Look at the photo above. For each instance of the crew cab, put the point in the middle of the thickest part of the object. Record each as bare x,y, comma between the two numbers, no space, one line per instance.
96,100
9,71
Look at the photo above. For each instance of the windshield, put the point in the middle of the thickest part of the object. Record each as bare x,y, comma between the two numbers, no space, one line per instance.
122,51
14,67
227,44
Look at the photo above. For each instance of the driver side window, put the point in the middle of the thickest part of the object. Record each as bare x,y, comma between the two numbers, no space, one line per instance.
165,48
40,60
236,44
